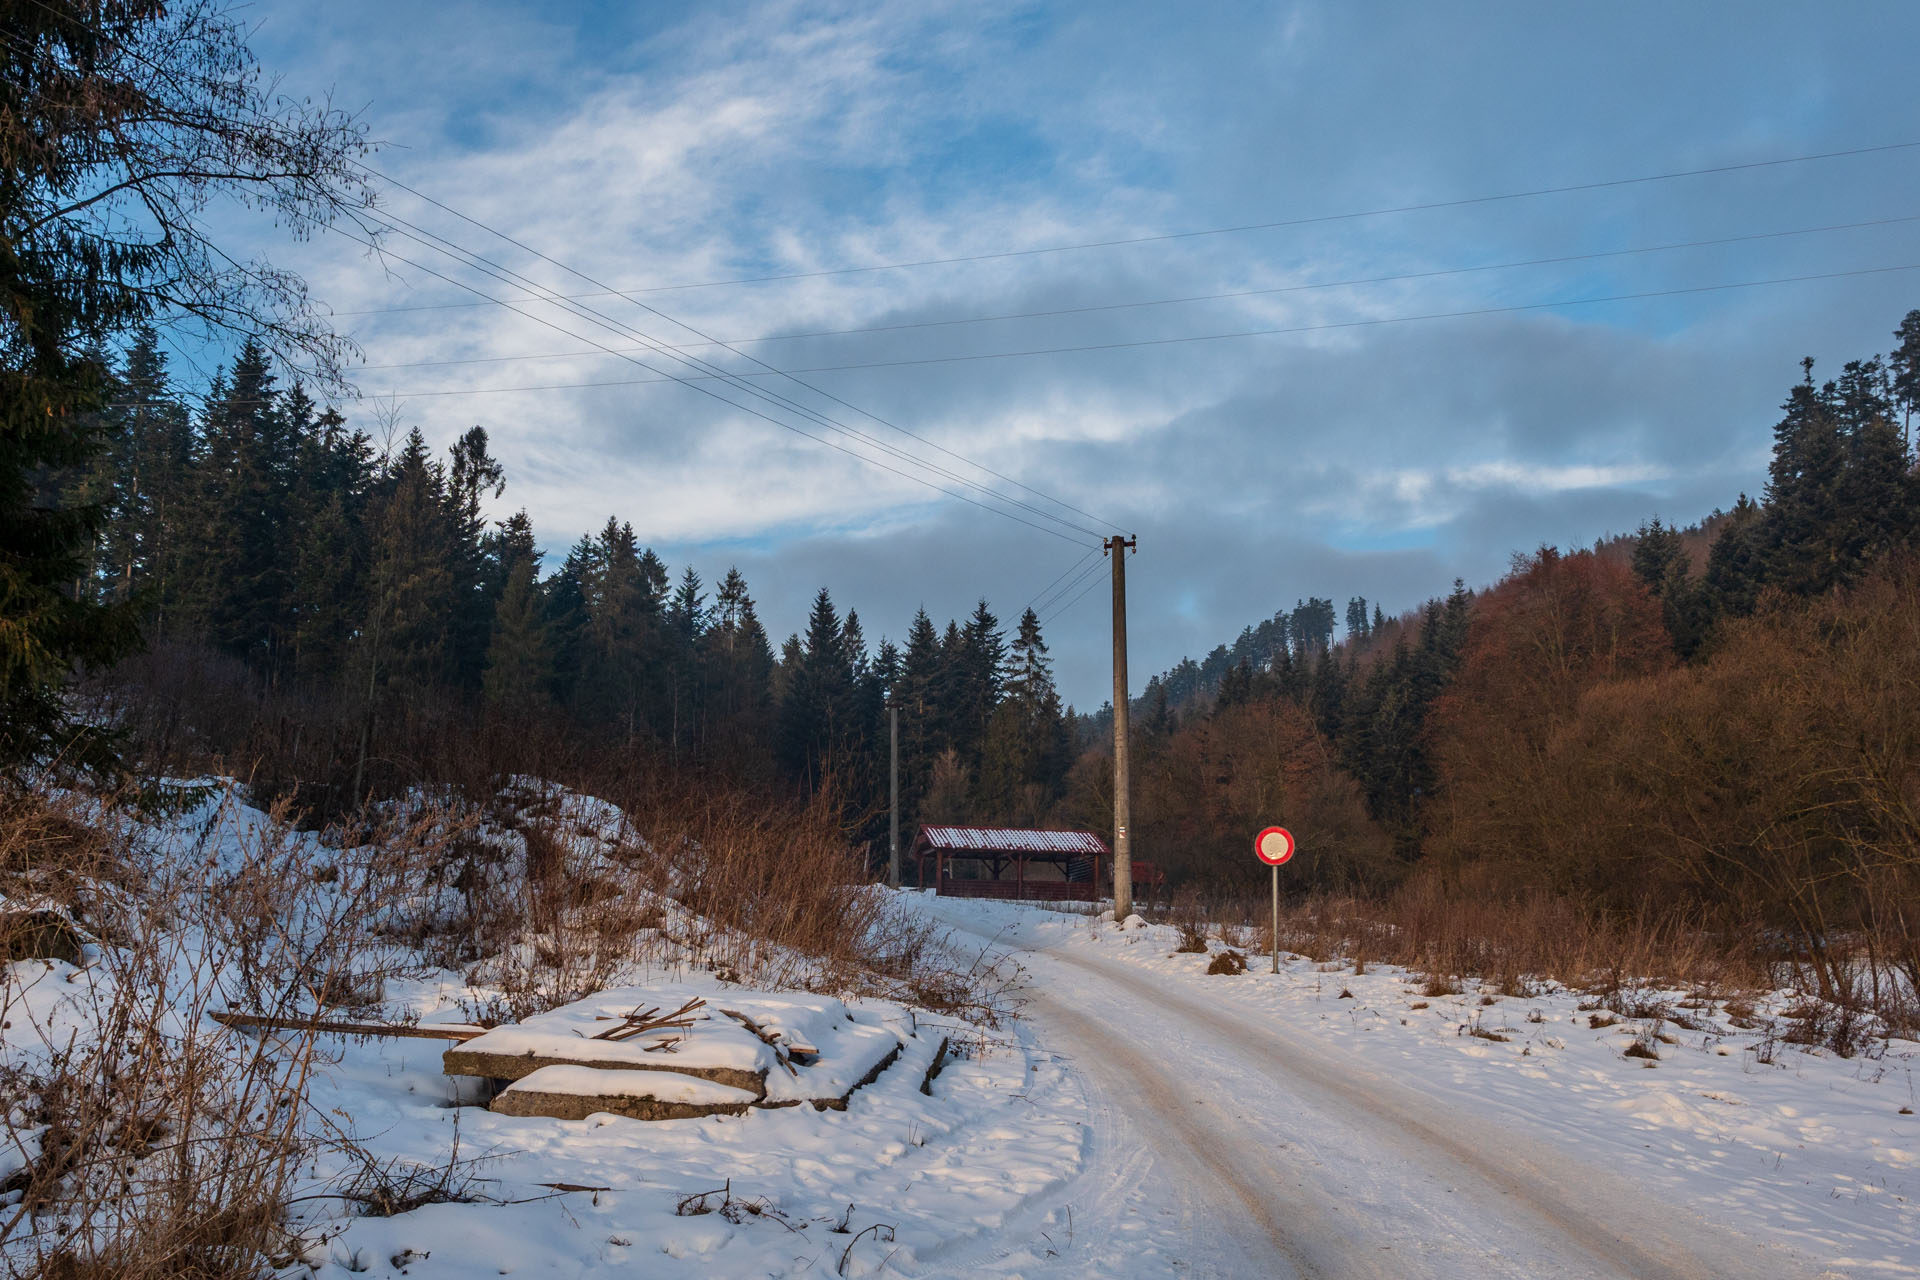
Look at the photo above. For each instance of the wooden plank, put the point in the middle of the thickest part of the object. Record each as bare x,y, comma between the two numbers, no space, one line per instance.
873,1073
933,1068
392,1030
573,1106
515,1066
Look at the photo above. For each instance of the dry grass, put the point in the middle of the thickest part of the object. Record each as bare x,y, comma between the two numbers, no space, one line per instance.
157,1143
1628,965
1229,963
1511,944
1454,935
161,1144
1188,914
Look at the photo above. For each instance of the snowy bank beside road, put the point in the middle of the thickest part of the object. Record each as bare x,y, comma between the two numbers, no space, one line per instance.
383,1164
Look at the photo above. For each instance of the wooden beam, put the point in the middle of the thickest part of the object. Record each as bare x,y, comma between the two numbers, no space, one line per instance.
449,1031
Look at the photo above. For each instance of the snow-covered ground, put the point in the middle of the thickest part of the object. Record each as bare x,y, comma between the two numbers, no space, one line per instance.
1142,1119
898,1179
1318,1122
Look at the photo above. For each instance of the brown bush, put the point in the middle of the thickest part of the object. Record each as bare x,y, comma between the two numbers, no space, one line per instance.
1770,789
1199,797
1557,627
1228,962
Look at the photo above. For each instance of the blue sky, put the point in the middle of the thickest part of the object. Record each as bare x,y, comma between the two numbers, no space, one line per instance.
651,146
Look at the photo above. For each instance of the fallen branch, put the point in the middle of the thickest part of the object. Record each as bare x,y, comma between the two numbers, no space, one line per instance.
771,1039
641,1021
876,1229
397,1030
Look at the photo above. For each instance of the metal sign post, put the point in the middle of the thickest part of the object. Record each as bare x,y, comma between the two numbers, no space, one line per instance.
1274,846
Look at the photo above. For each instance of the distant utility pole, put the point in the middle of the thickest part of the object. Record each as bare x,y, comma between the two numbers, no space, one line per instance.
1122,837
893,796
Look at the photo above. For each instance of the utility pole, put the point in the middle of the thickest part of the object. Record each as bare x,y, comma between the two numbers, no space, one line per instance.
893,796
1122,837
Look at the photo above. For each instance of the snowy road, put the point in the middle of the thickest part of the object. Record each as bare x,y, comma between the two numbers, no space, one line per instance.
1227,1144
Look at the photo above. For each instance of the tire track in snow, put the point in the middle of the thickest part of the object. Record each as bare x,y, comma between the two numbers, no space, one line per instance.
1194,1158
1366,1107
1364,1176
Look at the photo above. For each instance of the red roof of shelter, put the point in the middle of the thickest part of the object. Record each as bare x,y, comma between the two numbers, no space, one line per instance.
1011,840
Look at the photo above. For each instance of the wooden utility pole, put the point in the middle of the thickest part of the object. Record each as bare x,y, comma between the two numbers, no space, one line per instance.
893,796
1118,546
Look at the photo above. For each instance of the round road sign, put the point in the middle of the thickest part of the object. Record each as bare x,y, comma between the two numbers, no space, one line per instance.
1274,845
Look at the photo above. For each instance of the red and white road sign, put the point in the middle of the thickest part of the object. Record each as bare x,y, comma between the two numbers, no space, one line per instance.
1274,845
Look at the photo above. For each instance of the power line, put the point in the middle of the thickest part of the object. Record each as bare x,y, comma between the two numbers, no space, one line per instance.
468,257
457,251
1091,571
1063,573
1199,337
1400,277
692,383
755,360
1467,313
1061,612
1278,224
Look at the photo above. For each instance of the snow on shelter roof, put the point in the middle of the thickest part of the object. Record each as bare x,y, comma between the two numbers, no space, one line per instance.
1012,839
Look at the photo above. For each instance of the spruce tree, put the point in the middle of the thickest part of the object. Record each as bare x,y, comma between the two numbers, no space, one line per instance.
1904,365
686,626
818,733
519,670
1876,490
1656,550
328,589
1357,624
332,550
917,695
1802,507
739,660
411,601
119,124
510,540
1736,564
1311,624
621,683
472,476
1236,688
567,620
887,666
978,671
1028,747
159,442
236,595
1156,723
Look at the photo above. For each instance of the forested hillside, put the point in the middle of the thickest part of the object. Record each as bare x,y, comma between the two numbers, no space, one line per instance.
1721,721
360,615
352,585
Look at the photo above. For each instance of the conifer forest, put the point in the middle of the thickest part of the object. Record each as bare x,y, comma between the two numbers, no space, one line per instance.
345,585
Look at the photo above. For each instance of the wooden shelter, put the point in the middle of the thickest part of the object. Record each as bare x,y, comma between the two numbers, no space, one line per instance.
1011,862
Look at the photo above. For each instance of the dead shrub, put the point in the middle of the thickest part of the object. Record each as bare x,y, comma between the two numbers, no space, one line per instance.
1189,918
1844,1028
1228,962
159,1143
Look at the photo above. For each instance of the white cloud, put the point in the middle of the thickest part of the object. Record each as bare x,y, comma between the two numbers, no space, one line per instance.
667,145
